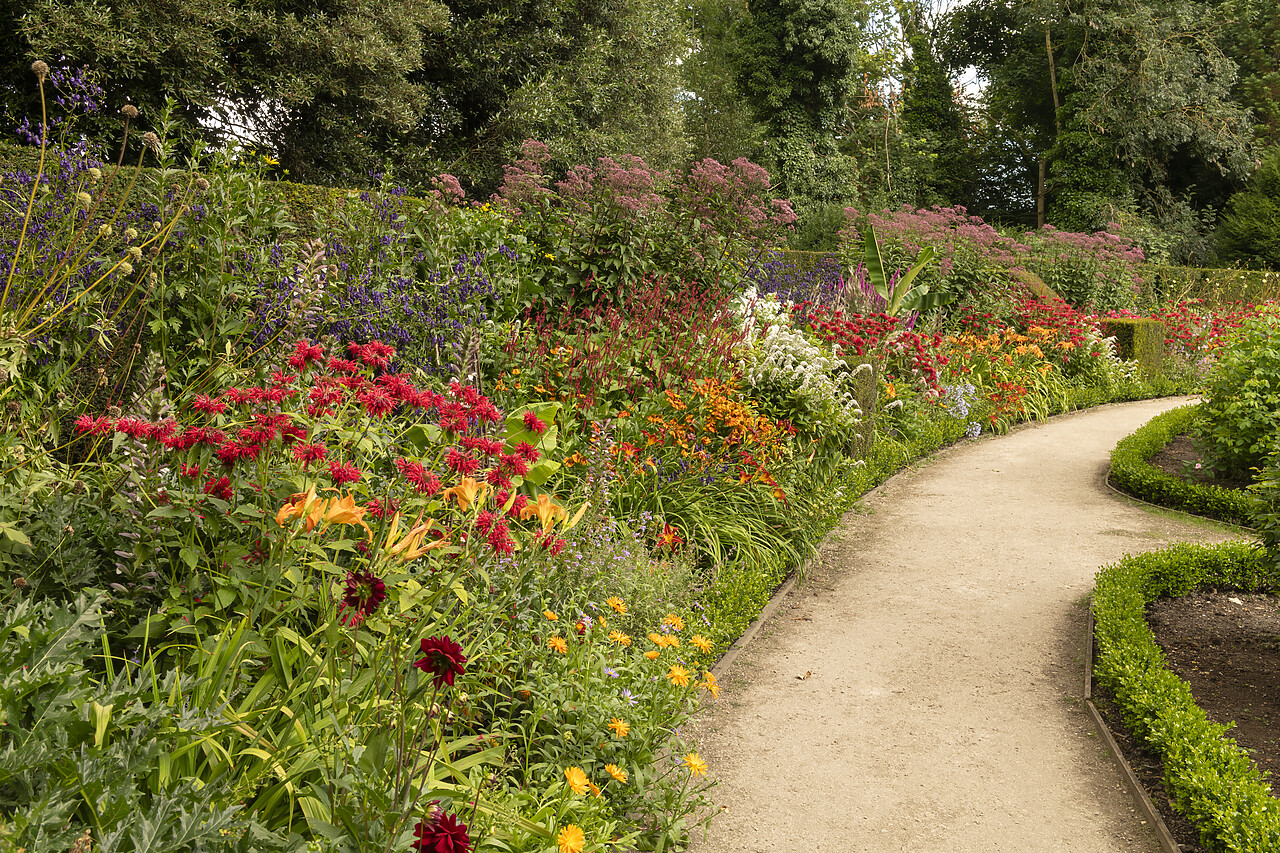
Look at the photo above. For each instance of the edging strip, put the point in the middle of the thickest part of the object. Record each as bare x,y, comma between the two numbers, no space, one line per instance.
1140,796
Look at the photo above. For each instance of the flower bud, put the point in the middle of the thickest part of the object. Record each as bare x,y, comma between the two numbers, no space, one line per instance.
135,254
104,230
125,268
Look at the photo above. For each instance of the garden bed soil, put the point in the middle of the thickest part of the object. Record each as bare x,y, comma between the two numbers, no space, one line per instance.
1226,645
1180,458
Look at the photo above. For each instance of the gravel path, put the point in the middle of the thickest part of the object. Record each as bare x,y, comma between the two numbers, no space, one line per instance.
921,690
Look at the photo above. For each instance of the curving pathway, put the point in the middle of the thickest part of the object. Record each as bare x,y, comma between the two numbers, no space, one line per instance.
920,691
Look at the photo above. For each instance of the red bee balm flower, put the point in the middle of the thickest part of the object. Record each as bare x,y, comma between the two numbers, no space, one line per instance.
443,660
344,473
443,834
533,423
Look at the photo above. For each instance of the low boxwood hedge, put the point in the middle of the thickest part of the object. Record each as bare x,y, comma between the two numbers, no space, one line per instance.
1210,779
1133,474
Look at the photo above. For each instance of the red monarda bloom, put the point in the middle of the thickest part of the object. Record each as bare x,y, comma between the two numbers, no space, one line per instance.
444,834
443,659
342,473
308,453
209,406
534,424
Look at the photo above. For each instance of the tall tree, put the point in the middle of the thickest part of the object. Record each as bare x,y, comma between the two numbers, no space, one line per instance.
319,81
719,120
797,63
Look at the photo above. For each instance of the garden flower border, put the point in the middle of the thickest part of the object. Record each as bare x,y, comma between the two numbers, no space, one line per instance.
1211,780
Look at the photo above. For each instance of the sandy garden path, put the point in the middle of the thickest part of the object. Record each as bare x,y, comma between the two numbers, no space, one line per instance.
921,690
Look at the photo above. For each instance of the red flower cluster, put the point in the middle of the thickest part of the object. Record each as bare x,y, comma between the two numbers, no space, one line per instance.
442,659
875,335
441,834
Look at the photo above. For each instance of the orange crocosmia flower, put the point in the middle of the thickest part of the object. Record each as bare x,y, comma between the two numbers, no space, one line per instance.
547,511
467,492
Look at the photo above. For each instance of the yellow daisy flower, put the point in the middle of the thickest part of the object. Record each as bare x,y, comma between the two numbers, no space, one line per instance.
701,643
697,767
618,774
679,676
652,654
674,621
619,638
571,839
550,615
557,644
619,606
713,686
619,726
658,640
577,779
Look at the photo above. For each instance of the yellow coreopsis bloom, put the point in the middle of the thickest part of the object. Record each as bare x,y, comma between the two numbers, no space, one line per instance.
697,767
678,675
618,774
701,643
619,606
619,727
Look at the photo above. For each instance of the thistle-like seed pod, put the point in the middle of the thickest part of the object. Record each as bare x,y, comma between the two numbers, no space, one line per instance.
202,184
152,141
129,111
40,68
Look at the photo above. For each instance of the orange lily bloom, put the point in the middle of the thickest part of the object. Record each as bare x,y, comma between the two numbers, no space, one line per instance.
298,506
409,546
467,492
546,511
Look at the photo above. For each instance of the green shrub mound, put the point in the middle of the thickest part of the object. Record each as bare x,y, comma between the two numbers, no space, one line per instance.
1140,340
1133,474
1211,780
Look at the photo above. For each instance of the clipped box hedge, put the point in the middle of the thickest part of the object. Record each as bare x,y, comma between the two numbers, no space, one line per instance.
1133,474
1209,778
1140,340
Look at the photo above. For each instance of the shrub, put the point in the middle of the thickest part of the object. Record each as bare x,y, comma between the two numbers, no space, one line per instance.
1241,411
1249,231
1140,340
1210,779
1131,473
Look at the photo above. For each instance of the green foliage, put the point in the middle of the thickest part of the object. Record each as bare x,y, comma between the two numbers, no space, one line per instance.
1210,779
1214,288
1240,416
1140,340
1131,472
796,64
901,298
1249,231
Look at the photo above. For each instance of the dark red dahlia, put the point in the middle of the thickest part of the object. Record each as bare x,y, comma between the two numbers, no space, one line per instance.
443,659
444,834
364,593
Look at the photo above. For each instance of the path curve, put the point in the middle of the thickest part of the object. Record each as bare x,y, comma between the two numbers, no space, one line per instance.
921,691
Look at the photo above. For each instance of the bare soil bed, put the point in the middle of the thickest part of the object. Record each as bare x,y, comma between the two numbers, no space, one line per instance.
1226,645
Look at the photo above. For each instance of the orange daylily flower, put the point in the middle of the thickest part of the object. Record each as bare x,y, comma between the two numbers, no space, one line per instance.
467,492
409,546
547,511
334,510
298,506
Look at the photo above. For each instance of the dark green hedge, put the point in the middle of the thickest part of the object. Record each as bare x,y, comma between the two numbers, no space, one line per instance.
1132,474
1140,340
1210,779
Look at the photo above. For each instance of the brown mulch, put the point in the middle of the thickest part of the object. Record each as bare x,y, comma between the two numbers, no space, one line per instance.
1181,458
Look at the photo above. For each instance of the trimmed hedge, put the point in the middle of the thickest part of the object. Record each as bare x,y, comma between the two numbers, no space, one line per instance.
1210,779
1216,287
1131,473
1140,340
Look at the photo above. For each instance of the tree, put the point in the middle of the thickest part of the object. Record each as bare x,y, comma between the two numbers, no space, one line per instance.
719,121
797,63
1249,232
319,82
